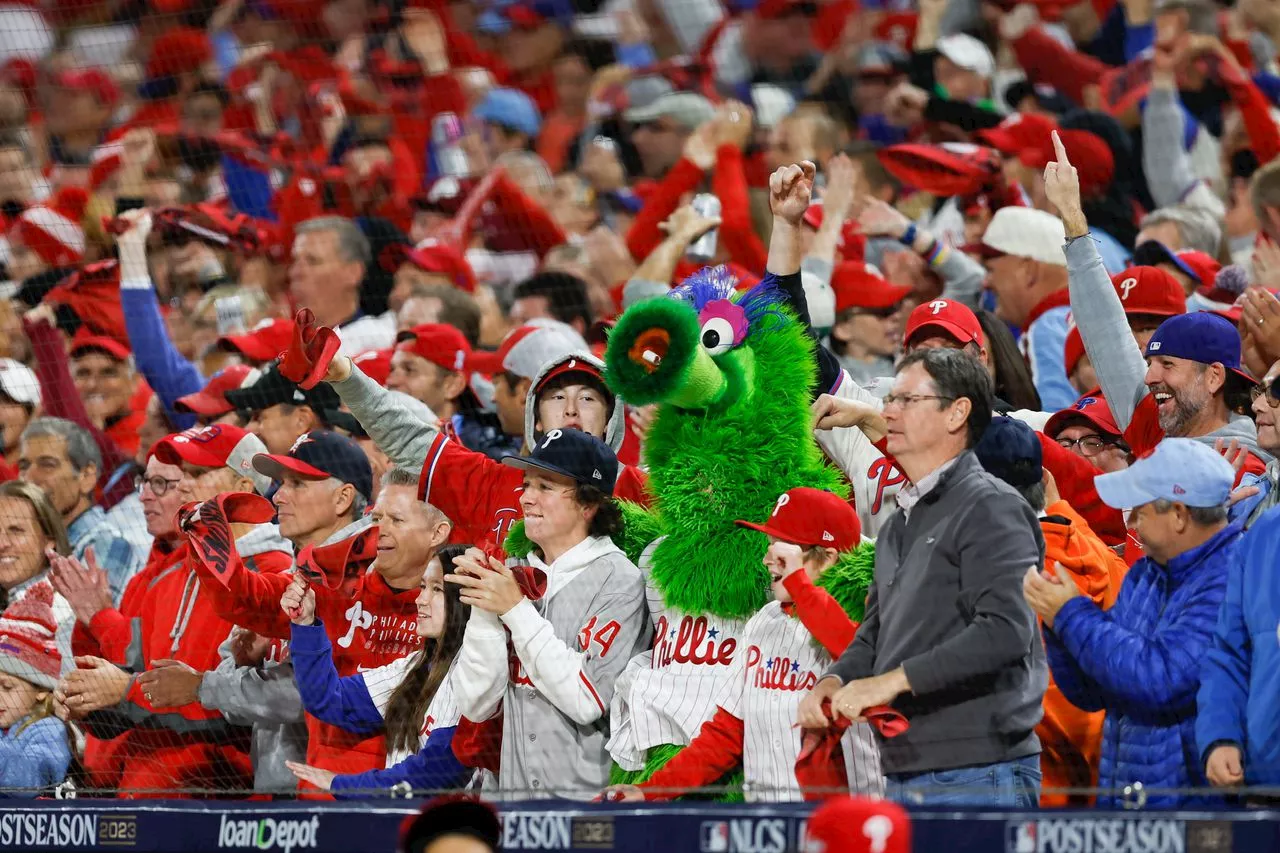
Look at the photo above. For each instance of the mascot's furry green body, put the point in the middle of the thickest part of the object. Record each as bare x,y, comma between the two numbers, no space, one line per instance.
732,372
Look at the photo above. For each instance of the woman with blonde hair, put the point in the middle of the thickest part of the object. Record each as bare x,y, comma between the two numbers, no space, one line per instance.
31,529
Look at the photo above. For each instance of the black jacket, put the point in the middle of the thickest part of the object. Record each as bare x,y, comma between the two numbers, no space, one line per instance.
947,606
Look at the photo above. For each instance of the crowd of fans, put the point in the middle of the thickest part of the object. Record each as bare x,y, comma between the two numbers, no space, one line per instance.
306,307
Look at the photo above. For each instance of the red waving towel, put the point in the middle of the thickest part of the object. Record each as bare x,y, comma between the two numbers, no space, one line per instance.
207,526
332,566
820,767
307,359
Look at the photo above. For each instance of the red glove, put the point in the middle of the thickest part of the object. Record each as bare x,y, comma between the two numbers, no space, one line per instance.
307,359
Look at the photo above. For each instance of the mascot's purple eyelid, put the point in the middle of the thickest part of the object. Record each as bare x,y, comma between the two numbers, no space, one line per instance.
730,312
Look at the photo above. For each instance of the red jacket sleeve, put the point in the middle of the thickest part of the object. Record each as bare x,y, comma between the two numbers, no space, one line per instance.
714,752
1047,60
645,235
250,600
526,217
729,184
820,613
1074,476
1255,110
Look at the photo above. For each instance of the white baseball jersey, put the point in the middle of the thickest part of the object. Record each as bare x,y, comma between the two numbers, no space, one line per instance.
779,665
668,692
874,479
442,711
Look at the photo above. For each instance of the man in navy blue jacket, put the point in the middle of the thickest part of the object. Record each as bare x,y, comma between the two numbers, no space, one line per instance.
1140,660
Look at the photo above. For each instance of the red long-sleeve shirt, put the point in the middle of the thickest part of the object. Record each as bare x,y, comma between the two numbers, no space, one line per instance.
1046,60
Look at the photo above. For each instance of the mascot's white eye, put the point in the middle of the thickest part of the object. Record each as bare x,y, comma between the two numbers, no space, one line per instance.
717,335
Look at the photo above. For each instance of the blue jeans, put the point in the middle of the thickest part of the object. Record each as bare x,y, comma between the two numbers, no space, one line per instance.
1009,784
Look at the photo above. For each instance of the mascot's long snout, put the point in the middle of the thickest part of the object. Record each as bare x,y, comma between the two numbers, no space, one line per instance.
655,356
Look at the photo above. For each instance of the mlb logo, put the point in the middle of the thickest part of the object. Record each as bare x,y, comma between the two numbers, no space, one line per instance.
715,836
1021,837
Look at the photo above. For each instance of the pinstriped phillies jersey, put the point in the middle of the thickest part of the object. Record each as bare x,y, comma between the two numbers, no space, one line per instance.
667,693
779,664
442,711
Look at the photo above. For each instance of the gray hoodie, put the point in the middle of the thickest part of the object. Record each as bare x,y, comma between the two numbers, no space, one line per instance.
263,696
1116,357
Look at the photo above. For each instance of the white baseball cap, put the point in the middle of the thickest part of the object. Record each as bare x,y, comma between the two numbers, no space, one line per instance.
19,383
1025,232
969,53
525,350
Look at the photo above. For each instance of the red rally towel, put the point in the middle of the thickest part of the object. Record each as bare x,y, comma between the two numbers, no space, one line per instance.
207,527
820,766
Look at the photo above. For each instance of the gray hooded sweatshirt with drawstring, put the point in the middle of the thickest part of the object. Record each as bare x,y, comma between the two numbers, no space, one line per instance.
1117,359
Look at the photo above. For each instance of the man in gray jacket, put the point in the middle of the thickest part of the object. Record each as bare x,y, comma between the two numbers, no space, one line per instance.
947,638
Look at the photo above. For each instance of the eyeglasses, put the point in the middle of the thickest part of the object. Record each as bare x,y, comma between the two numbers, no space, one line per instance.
905,400
1273,398
1090,445
158,485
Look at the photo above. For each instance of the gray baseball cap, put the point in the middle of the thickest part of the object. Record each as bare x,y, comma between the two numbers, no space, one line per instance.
687,109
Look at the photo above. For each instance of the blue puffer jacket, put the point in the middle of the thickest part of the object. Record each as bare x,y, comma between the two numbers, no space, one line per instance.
1140,662
1239,697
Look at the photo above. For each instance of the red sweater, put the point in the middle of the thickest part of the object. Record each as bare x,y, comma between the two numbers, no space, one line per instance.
109,633
718,747
369,623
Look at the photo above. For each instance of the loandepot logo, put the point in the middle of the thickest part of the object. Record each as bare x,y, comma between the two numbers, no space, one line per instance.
268,834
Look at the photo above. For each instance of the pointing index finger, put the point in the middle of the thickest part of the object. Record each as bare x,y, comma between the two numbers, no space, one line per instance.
1059,150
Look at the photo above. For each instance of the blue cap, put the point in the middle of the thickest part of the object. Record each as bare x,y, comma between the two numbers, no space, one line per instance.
1199,336
1010,450
573,455
1182,470
511,109
319,455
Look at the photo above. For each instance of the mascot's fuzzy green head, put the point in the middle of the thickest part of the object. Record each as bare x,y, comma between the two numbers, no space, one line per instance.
732,372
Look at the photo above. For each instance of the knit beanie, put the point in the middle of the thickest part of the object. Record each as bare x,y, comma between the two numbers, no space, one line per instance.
28,644
52,230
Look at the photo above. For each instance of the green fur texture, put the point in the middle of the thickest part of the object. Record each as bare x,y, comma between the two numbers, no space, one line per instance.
657,759
635,383
850,578
708,468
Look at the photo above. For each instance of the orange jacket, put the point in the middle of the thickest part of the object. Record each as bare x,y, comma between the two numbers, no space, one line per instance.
1071,739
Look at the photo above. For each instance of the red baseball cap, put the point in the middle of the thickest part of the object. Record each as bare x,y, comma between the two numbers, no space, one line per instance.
1092,408
437,257
86,341
858,825
375,363
954,319
215,446
808,517
1097,164
438,343
211,400
1018,132
264,342
1149,290
860,285
92,80
526,349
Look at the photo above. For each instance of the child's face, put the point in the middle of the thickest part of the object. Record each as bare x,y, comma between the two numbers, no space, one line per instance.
782,559
17,698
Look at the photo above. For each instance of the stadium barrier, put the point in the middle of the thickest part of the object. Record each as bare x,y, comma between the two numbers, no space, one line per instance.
293,827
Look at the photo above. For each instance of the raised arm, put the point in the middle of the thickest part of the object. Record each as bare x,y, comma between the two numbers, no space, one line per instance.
397,431
1095,306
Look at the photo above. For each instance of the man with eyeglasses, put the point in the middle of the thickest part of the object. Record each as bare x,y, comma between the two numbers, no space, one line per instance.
1087,429
951,557
1259,492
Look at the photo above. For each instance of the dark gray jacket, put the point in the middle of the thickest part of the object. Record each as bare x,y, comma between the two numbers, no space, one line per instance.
947,606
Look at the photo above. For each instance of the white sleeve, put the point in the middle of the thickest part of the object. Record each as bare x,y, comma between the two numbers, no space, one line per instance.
443,711
481,667
553,667
382,681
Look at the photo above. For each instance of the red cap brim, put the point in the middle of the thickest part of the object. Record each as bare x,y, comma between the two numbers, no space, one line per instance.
274,465
102,344
173,452
952,330
202,404
786,536
488,363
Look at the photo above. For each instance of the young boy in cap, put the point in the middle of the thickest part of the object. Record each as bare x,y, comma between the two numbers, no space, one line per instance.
551,656
759,694
1140,660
